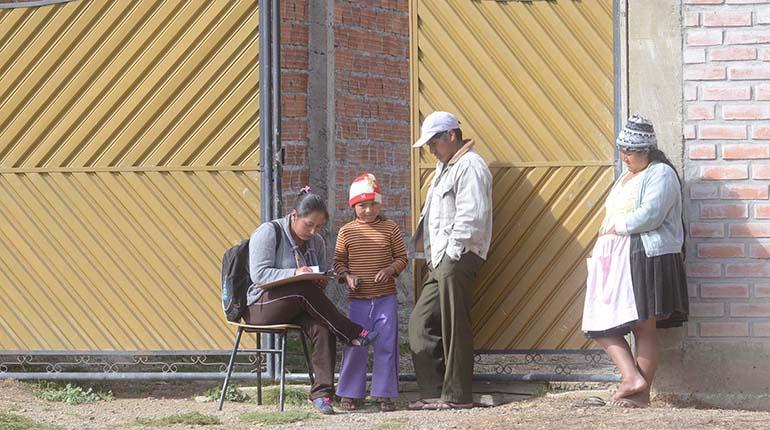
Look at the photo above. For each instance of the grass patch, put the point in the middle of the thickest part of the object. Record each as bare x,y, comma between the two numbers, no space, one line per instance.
18,422
69,393
233,394
295,395
190,418
276,418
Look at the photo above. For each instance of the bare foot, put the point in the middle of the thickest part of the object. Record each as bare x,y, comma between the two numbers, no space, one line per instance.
641,398
631,387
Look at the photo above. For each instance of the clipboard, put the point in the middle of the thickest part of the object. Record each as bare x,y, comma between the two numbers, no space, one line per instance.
308,276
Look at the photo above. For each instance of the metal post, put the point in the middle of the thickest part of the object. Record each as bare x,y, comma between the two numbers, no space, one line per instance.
265,135
275,65
275,94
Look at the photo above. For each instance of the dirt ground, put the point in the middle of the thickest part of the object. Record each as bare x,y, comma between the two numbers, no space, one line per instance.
550,411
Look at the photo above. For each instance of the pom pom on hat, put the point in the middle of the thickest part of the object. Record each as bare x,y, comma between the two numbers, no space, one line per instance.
365,189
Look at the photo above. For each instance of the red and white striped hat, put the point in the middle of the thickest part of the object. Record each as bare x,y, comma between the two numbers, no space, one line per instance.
365,189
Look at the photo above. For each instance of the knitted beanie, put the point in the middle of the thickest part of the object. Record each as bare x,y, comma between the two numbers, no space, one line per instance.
637,135
365,189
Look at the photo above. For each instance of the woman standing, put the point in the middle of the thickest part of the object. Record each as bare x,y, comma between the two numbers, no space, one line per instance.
636,276
295,251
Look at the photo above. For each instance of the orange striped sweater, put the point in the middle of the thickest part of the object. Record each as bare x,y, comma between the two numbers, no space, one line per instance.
363,249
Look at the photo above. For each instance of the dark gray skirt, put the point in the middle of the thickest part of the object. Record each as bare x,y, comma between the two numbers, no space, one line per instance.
660,290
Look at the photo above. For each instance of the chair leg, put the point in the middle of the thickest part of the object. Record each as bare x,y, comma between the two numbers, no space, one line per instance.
259,369
310,372
282,393
230,367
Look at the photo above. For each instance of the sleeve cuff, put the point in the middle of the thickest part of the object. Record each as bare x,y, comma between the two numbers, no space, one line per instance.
621,229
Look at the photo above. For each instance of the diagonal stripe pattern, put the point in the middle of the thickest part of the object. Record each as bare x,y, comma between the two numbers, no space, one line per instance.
128,165
532,83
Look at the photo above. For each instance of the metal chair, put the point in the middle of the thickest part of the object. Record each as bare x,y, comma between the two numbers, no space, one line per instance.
282,330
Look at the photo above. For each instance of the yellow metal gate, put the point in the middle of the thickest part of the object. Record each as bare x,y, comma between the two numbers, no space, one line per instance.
128,164
532,84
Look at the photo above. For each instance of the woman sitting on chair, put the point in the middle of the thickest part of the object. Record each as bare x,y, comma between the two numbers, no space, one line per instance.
273,258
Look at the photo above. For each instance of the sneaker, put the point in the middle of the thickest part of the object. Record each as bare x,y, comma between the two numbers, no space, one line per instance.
365,338
323,405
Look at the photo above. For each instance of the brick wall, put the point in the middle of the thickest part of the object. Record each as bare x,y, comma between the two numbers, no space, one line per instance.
727,133
371,61
294,94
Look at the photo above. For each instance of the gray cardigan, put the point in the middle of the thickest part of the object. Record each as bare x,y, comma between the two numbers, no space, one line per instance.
267,265
658,214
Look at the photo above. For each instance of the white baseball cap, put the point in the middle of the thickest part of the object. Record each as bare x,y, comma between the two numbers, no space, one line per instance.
435,123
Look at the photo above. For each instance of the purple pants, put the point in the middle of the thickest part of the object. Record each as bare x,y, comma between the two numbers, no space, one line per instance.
381,315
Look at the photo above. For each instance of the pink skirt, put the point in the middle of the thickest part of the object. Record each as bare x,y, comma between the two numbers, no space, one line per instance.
609,301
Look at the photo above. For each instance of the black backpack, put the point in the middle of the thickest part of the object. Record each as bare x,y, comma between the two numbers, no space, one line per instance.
235,276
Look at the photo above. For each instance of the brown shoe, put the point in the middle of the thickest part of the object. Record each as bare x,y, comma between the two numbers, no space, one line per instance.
387,406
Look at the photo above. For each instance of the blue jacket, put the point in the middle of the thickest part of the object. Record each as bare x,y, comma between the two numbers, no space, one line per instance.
658,214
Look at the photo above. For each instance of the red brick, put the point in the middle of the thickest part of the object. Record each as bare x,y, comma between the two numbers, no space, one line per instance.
726,18
759,250
724,329
745,151
704,37
710,309
690,92
717,93
703,192
726,132
692,19
735,171
760,132
724,291
749,229
762,92
694,56
747,1
704,73
747,270
746,112
749,72
733,53
745,192
760,329
692,289
700,111
761,290
721,250
690,132
703,229
761,211
738,37
704,270
703,1
763,16
760,171
750,309
723,210
764,54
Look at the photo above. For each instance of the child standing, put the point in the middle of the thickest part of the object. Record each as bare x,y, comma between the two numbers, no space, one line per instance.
369,254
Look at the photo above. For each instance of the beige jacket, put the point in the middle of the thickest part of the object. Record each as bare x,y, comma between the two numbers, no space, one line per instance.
459,208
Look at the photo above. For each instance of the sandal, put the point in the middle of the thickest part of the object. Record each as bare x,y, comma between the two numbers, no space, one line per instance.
348,404
626,403
420,404
591,402
443,406
387,406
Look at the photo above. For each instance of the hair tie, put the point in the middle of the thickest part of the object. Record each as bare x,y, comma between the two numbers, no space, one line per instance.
305,190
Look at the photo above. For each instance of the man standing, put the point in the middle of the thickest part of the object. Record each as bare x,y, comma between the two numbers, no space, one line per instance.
455,230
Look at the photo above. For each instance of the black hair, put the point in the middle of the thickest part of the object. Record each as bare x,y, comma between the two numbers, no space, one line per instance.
307,203
459,135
